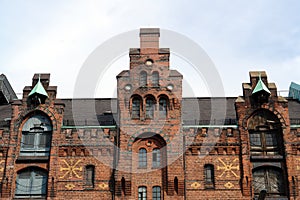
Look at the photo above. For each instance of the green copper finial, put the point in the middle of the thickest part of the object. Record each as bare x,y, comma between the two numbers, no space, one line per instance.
38,89
260,86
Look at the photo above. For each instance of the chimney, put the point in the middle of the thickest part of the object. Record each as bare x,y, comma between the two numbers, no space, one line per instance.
149,40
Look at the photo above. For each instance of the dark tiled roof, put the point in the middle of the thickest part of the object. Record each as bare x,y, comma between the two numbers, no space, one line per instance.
204,111
5,115
91,112
195,111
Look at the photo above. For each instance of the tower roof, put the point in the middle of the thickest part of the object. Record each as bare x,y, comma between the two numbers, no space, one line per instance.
260,86
38,89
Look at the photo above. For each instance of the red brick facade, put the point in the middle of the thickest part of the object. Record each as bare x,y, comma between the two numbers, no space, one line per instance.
148,153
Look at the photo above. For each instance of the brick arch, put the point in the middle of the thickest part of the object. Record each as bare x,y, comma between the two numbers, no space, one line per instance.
44,111
153,131
32,167
253,113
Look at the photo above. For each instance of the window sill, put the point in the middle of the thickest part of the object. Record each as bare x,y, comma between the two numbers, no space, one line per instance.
32,158
264,157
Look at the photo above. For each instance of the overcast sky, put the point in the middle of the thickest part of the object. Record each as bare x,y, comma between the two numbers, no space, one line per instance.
239,36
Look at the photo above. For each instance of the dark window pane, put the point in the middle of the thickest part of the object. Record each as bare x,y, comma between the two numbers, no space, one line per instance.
28,140
156,193
90,174
143,79
155,78
255,139
149,108
156,158
136,108
271,139
162,108
31,183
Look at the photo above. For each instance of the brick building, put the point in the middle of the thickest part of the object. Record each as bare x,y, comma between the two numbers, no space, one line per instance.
149,143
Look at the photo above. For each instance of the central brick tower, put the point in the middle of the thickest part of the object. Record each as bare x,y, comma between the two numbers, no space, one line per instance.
149,163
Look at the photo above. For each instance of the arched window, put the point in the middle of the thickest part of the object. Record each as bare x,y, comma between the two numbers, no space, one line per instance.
265,134
269,179
143,78
176,185
31,182
90,175
209,176
36,136
142,157
149,108
156,193
162,108
123,186
155,79
156,158
142,190
136,108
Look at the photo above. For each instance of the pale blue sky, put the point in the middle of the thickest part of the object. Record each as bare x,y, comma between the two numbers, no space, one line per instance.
57,36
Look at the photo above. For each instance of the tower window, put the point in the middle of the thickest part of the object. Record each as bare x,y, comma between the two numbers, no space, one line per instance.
156,158
155,79
156,193
136,107
142,190
143,78
209,176
162,108
143,158
149,108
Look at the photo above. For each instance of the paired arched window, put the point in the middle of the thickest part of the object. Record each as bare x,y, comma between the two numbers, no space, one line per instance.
136,108
209,177
269,179
155,79
142,157
142,193
31,182
36,136
143,78
90,175
162,108
156,193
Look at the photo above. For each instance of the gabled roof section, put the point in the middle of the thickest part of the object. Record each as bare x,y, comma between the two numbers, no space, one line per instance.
260,86
7,93
38,89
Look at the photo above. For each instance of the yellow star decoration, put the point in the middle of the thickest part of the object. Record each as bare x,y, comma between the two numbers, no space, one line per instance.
103,186
228,185
69,186
1,168
228,167
195,185
71,169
